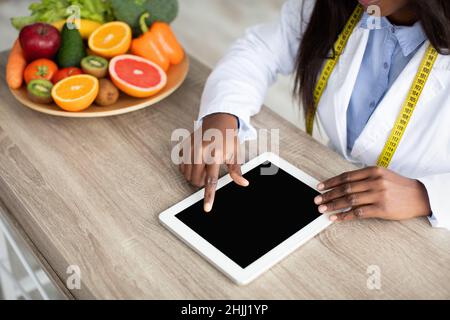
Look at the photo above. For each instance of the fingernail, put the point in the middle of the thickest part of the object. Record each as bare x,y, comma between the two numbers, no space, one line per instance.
322,208
245,183
318,200
207,207
321,186
333,218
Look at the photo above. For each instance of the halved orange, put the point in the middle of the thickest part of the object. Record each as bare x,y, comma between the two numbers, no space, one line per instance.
76,93
111,39
136,76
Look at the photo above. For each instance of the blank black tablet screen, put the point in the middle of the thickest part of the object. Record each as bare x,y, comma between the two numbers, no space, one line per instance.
246,223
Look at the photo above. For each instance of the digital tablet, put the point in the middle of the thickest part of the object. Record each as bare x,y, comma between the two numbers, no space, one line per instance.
251,228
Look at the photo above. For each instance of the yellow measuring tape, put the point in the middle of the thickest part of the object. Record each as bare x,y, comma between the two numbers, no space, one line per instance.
408,107
330,64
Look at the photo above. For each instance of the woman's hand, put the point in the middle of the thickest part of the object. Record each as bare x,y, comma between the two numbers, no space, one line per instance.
202,167
373,193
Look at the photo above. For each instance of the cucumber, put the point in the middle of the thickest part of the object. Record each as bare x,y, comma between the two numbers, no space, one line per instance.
40,91
95,66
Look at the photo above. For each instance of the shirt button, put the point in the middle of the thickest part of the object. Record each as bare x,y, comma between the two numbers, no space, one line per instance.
393,29
372,104
386,65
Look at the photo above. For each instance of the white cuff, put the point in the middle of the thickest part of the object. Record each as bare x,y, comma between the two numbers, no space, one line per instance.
437,188
433,221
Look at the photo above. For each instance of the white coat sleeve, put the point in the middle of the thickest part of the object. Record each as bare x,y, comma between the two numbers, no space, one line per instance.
239,83
438,188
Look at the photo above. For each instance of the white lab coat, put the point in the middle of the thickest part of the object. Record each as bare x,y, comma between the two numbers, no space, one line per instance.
239,84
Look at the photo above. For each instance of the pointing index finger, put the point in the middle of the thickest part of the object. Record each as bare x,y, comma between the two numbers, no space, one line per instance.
211,179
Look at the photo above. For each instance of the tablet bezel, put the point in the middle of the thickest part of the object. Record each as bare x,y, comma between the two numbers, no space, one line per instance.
243,276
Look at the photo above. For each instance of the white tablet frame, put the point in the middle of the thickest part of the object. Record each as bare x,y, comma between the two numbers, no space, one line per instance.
243,276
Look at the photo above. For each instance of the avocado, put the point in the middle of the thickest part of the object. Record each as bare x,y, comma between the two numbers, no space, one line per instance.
40,91
72,49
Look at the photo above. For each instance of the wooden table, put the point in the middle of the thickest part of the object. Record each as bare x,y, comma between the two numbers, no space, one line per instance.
88,192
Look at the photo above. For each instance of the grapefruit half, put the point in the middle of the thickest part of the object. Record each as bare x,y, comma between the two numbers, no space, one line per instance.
136,76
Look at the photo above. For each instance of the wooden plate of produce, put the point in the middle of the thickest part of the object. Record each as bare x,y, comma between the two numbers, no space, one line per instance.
175,78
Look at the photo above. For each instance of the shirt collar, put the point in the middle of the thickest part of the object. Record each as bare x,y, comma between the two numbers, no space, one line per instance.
409,37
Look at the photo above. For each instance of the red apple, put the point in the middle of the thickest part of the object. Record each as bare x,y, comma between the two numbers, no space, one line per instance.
39,41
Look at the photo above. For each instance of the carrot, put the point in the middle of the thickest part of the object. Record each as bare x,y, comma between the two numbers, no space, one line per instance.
15,66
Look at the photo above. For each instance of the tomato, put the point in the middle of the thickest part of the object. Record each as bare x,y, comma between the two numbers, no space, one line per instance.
65,73
40,69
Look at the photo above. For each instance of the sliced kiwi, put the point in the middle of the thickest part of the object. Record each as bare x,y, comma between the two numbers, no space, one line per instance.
40,91
95,66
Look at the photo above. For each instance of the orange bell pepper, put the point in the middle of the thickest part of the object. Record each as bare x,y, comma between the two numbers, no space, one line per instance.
168,42
159,44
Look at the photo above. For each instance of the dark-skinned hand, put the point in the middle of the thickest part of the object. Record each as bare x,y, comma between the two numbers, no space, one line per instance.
373,192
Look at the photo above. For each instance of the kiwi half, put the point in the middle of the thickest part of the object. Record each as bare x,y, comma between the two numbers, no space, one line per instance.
40,91
95,66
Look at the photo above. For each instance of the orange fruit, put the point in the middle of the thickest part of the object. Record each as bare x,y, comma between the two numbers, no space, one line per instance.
76,93
136,76
111,39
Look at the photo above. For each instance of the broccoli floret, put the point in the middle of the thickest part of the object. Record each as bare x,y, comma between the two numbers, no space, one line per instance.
161,10
130,11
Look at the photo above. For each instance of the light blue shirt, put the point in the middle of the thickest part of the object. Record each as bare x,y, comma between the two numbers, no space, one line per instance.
388,51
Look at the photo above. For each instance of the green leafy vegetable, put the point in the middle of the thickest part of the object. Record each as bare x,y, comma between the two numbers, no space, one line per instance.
49,11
